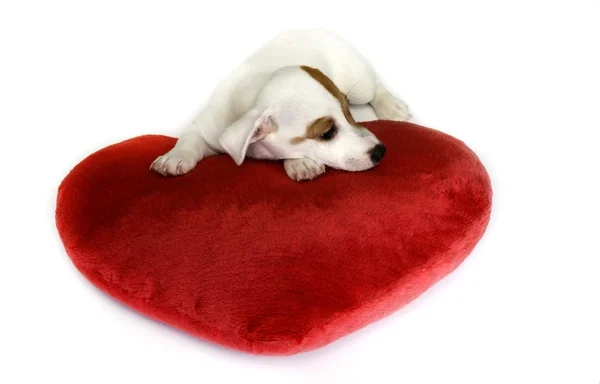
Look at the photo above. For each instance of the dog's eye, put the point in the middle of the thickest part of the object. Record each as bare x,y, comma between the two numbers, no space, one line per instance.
327,135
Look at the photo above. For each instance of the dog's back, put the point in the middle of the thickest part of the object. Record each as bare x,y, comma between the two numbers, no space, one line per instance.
318,48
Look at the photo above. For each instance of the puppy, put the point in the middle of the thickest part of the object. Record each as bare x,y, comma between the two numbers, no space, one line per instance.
291,100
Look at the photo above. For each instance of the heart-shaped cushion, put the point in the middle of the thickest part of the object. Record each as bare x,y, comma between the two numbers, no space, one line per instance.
247,258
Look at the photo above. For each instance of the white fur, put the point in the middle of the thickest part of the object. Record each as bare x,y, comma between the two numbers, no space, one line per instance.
268,100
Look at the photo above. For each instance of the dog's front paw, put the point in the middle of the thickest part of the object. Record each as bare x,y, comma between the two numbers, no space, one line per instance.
173,163
303,169
390,108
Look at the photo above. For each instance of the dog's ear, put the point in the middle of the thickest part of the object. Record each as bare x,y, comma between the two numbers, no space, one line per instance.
251,127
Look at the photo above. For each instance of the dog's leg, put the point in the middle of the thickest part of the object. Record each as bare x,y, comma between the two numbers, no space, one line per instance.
363,87
303,169
357,78
188,151
388,107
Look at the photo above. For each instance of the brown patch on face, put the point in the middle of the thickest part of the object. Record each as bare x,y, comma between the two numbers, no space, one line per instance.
334,90
315,129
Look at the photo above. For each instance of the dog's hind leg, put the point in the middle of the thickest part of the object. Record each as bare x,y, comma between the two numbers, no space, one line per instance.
362,87
389,107
368,92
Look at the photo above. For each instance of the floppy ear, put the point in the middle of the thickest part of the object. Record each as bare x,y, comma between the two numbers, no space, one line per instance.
251,127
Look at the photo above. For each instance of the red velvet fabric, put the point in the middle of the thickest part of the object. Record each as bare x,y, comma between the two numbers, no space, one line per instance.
249,259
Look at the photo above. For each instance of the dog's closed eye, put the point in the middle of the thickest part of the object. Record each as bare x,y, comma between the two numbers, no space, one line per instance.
329,134
323,129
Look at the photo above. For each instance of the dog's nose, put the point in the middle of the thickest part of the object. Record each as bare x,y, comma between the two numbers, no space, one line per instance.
377,153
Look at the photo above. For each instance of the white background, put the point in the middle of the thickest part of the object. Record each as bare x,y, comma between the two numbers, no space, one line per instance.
518,81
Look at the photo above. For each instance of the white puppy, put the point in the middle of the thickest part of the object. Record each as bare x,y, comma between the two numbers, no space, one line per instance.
291,101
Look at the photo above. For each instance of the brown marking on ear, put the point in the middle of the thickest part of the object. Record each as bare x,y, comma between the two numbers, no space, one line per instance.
315,129
333,89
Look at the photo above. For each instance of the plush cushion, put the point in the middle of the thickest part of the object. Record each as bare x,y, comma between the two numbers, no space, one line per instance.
247,258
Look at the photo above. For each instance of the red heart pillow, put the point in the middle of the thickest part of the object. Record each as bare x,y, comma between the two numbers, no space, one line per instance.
247,258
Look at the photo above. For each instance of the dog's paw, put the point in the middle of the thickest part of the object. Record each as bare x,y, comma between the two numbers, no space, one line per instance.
390,108
173,163
303,169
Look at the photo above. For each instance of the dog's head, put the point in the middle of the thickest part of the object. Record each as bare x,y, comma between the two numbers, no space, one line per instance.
299,113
